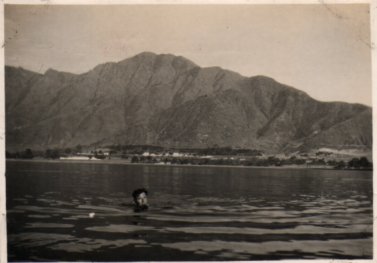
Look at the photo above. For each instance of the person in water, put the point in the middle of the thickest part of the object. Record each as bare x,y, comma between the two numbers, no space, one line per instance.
140,199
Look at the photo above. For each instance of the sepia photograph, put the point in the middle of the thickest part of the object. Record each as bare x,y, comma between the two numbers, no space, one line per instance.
188,132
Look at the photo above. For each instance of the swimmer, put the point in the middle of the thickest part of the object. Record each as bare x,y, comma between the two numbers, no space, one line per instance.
140,199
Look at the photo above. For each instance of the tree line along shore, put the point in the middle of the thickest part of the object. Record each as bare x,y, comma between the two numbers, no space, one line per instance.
226,156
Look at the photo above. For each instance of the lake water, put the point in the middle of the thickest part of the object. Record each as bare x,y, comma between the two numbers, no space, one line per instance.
196,213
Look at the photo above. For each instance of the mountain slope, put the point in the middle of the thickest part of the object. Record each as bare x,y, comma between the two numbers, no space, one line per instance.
170,101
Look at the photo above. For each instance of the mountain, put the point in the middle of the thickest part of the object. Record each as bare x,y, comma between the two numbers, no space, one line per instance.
170,101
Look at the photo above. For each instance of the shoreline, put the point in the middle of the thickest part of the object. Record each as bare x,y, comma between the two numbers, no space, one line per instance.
123,162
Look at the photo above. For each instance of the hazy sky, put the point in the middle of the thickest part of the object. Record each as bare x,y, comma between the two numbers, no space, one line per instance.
321,49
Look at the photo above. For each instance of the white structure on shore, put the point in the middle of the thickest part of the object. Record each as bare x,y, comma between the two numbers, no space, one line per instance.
75,158
79,158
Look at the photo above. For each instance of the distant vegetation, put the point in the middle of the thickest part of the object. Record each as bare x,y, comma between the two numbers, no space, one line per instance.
207,156
362,163
140,149
125,150
26,154
355,163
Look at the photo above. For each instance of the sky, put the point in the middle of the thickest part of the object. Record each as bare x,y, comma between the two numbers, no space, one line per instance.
323,50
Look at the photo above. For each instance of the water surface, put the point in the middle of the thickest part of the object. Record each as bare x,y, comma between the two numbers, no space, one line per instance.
197,213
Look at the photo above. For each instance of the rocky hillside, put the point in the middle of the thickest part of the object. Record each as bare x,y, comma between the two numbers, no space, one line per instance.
168,100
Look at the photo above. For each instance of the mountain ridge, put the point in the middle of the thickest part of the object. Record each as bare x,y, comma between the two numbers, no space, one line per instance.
168,100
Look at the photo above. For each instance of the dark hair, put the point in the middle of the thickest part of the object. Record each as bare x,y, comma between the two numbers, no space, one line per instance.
138,192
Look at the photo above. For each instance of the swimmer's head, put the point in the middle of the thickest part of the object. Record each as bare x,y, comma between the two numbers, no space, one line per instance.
140,198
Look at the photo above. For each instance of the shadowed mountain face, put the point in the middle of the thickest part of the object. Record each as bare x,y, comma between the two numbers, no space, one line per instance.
169,101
